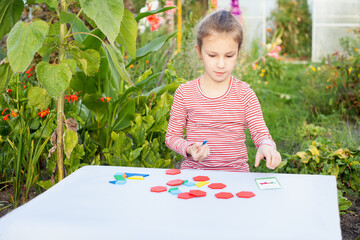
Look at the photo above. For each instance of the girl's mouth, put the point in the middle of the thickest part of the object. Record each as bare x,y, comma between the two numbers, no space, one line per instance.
219,74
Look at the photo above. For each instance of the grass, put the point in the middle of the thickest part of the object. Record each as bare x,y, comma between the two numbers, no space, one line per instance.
285,118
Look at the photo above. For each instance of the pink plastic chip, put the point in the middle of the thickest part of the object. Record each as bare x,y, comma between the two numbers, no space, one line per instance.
185,195
197,193
201,178
173,171
175,182
217,186
245,194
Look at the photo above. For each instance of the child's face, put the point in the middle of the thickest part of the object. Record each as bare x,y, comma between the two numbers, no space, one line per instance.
219,53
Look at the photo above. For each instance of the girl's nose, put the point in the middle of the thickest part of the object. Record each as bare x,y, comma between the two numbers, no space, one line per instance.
221,63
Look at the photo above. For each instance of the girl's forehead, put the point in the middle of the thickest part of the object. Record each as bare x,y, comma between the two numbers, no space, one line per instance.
220,41
220,35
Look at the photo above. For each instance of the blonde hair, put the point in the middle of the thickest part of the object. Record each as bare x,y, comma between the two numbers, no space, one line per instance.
220,21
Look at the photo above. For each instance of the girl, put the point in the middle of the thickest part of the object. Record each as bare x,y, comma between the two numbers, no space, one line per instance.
217,107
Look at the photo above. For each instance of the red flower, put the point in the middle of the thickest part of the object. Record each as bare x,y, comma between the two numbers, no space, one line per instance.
8,91
44,113
154,21
105,98
72,97
6,117
2,113
29,71
14,114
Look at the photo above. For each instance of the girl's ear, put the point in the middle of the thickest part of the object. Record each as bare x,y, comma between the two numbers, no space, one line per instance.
198,51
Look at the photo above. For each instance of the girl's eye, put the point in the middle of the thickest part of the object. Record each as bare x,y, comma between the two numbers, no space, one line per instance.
210,55
229,56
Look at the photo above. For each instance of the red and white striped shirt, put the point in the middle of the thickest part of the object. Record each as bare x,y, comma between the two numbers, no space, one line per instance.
221,120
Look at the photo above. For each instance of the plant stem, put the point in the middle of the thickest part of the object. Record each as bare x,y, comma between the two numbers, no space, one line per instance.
60,102
72,24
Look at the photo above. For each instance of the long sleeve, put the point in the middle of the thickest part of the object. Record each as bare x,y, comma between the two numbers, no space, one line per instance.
255,120
178,115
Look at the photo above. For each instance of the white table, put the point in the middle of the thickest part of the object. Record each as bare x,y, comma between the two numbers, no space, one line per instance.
86,206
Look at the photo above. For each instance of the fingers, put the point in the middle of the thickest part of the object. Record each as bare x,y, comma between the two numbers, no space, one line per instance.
268,156
258,158
200,152
275,159
271,156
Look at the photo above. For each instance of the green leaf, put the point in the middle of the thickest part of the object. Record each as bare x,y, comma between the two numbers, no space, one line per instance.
117,67
153,45
121,147
49,3
88,61
24,40
128,33
314,151
92,102
46,129
107,14
5,76
144,76
152,12
81,83
71,63
66,17
139,129
125,116
70,141
10,13
355,165
93,61
55,78
45,184
78,25
91,42
51,42
38,97
74,162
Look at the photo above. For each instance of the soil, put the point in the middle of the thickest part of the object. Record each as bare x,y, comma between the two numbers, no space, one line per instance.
350,222
5,199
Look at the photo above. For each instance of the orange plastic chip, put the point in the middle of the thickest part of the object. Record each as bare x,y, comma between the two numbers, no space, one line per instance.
158,189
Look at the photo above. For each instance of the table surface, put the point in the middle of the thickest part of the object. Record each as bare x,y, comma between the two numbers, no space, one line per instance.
86,206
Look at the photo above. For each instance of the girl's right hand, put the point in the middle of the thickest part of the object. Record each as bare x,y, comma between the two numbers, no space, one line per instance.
198,151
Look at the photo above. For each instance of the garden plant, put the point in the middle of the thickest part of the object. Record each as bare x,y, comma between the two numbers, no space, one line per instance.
91,83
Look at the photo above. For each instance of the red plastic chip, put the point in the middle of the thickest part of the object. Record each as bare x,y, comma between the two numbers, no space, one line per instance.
245,194
217,186
201,178
197,193
158,189
173,171
185,195
175,182
224,195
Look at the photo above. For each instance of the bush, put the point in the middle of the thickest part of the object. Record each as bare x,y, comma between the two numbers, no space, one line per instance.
335,86
294,18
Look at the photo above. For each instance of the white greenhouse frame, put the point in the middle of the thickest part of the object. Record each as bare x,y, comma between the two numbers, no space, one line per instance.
257,30
335,18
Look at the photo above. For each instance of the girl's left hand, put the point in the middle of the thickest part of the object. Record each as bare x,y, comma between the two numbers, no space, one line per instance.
273,157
